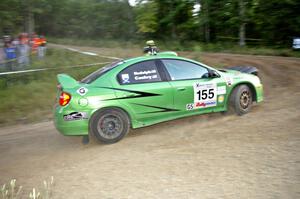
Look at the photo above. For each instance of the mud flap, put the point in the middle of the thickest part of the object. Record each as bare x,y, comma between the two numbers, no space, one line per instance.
85,139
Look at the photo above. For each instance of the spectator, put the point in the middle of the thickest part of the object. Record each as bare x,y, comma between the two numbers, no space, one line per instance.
14,42
42,47
23,51
11,55
2,58
34,42
6,40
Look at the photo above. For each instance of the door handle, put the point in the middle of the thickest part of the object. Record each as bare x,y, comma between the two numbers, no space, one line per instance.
181,88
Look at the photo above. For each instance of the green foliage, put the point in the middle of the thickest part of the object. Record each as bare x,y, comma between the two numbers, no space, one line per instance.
10,16
86,18
274,22
146,19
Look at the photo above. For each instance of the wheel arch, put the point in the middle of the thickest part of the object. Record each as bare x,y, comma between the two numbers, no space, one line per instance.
94,112
251,86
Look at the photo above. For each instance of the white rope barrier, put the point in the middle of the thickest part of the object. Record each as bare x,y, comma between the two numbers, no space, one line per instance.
90,53
44,69
57,68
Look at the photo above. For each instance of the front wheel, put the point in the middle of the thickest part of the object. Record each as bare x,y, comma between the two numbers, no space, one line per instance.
241,100
110,125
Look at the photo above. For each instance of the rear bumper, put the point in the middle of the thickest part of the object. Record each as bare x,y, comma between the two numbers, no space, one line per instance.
69,127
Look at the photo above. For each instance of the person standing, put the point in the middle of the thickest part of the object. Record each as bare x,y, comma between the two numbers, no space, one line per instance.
23,51
11,55
42,47
34,43
2,58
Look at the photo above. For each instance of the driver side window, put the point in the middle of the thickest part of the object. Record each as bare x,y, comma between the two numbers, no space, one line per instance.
183,70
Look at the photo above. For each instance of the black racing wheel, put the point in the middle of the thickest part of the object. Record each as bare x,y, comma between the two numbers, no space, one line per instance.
109,125
241,99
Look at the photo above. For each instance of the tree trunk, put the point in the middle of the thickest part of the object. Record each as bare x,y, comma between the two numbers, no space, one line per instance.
206,25
29,17
207,33
29,23
242,33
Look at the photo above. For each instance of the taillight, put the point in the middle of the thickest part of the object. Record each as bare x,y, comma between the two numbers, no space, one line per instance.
64,98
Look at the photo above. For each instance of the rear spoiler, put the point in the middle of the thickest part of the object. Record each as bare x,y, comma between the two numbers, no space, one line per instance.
245,69
66,81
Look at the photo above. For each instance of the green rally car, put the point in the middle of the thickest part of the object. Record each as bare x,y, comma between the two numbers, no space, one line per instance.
146,90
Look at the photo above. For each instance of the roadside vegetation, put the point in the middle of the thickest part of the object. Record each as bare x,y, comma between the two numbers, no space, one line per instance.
217,47
29,97
13,191
262,27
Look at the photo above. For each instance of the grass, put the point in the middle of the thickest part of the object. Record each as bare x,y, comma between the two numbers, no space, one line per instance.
12,191
97,42
221,47
30,97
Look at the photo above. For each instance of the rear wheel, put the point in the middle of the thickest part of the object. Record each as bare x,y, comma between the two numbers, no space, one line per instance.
110,125
241,100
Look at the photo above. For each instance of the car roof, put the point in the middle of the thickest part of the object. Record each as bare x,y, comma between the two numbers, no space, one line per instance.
161,55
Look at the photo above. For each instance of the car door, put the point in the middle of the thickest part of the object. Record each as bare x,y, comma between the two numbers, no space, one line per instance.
144,89
193,89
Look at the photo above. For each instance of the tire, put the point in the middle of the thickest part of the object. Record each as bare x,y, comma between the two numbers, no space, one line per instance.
109,125
241,100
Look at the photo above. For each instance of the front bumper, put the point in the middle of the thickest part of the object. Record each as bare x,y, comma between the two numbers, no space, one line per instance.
70,127
259,93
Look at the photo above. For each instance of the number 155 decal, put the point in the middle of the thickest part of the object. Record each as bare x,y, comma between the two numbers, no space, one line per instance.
205,95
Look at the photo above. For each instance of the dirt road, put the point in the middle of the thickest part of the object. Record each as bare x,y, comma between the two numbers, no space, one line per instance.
209,156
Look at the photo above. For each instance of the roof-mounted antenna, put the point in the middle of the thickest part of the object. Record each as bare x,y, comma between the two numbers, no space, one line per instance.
151,48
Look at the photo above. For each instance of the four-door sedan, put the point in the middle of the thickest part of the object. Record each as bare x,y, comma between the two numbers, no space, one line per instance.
146,90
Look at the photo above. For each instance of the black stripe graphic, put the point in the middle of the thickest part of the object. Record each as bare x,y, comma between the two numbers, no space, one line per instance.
163,109
140,94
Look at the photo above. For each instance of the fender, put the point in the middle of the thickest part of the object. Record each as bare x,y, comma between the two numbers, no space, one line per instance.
251,86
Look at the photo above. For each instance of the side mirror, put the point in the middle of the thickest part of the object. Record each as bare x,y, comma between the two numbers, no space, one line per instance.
213,74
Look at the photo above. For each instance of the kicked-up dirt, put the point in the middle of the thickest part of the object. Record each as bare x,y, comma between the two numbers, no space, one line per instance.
208,156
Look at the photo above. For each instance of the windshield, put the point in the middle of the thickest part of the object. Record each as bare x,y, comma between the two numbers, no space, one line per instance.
98,73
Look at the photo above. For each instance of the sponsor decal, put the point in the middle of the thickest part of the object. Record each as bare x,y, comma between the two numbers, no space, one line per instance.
125,78
75,116
199,105
189,106
229,81
205,95
204,104
145,75
82,91
145,72
221,90
221,99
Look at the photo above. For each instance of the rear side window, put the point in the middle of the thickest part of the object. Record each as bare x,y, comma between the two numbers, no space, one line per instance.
98,73
142,72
